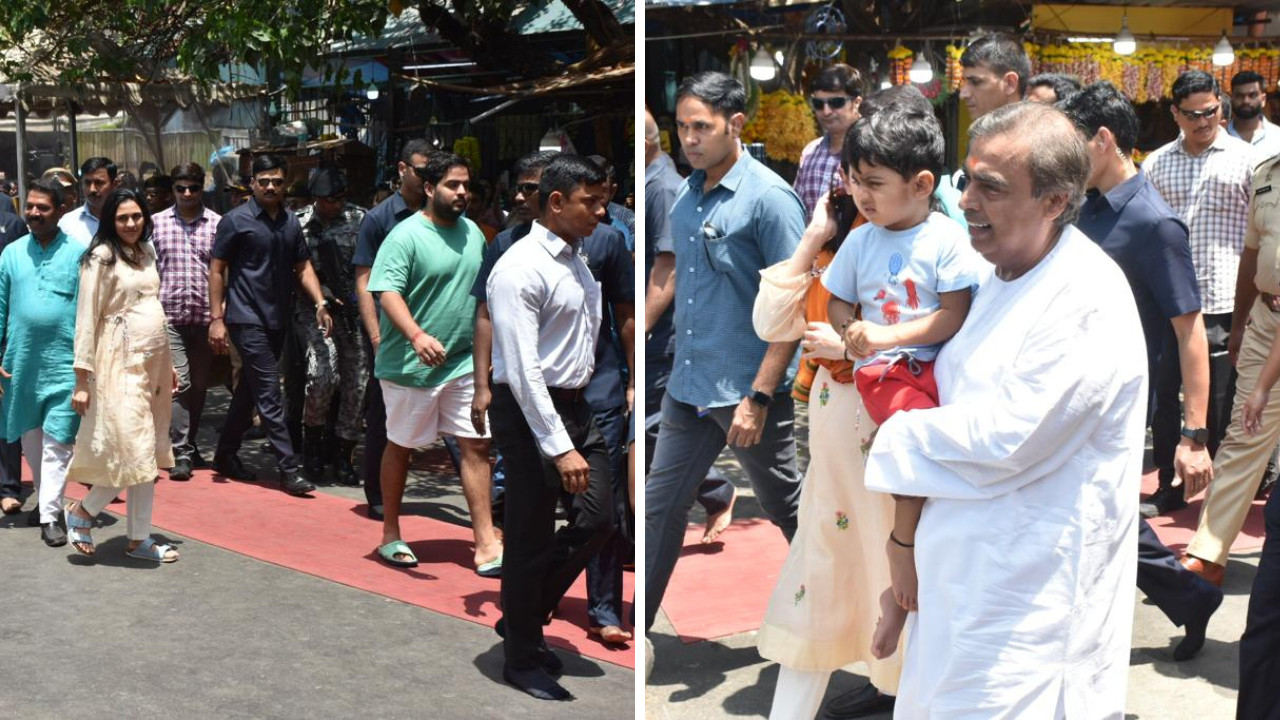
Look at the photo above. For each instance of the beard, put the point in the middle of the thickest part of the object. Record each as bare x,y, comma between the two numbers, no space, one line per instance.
1247,112
445,210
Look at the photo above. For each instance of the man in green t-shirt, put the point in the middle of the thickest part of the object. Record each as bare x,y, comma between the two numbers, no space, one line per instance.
423,275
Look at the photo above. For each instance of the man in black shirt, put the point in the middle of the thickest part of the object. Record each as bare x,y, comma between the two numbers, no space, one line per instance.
257,254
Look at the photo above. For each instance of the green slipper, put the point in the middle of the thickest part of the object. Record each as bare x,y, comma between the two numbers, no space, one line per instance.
389,551
491,569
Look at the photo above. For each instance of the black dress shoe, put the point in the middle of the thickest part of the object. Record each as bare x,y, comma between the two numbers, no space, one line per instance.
1197,625
231,467
291,483
53,534
536,682
549,660
181,470
198,461
866,700
1162,501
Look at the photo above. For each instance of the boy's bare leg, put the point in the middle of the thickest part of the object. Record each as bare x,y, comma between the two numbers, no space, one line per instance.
902,560
889,628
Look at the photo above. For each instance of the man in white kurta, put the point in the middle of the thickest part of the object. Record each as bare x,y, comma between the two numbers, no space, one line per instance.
1026,550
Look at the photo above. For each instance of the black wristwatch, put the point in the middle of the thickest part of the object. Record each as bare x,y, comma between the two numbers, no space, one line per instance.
1200,436
760,398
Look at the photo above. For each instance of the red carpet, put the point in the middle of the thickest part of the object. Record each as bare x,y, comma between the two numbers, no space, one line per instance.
330,537
723,589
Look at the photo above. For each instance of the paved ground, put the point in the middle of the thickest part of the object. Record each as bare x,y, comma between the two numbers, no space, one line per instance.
728,677
221,635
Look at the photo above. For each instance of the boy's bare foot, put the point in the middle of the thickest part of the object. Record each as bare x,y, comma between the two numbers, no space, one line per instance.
719,522
889,627
902,574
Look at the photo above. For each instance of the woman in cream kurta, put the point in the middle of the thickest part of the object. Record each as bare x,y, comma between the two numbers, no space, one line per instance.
825,606
124,377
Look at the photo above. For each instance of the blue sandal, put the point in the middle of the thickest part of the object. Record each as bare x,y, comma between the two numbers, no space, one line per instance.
76,527
152,550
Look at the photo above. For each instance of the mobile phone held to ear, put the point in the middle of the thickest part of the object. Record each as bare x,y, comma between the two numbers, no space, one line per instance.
845,209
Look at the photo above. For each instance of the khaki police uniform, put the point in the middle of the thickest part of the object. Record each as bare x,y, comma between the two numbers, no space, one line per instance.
1241,459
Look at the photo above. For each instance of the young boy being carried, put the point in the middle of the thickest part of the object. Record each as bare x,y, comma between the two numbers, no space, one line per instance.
910,272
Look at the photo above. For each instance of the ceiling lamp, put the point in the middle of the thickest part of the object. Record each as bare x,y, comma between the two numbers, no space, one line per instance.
921,71
1124,44
885,84
371,93
762,67
1223,53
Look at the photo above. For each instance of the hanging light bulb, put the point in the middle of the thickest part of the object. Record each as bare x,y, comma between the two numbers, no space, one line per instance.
921,71
885,84
550,142
762,67
1223,53
1124,44
371,93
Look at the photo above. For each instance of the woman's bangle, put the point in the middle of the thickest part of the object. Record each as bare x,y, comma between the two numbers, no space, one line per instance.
212,318
898,542
417,335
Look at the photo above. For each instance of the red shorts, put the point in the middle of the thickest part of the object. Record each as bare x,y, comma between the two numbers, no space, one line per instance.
885,393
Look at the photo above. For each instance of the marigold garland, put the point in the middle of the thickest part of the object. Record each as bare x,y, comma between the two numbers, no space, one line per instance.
785,124
1148,74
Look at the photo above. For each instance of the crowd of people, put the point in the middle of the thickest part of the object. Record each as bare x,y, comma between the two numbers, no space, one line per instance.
982,353
399,325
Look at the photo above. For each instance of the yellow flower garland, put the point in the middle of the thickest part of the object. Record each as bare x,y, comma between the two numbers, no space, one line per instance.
784,124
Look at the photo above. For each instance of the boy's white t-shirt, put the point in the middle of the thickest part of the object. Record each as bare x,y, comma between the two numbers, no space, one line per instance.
896,275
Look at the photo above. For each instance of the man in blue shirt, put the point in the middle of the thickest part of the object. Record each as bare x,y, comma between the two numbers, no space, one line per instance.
734,218
1129,219
377,224
609,390
11,228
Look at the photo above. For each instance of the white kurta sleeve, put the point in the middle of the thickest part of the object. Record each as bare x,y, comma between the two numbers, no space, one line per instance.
1055,396
515,300
778,315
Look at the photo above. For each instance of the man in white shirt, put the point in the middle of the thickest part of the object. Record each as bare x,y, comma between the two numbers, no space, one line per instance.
546,313
1248,115
97,181
1032,463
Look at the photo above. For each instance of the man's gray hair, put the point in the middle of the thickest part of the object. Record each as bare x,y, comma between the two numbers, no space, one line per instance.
1056,154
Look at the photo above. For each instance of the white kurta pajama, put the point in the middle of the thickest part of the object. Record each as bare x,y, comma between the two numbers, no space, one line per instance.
1026,551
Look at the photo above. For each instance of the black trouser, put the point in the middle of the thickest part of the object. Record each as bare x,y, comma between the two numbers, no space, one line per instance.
1166,424
375,434
1179,593
1260,644
11,469
260,353
604,571
539,562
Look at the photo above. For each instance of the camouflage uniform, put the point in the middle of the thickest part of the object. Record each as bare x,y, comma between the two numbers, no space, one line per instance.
337,363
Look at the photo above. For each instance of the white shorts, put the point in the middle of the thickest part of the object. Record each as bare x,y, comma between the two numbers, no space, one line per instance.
417,417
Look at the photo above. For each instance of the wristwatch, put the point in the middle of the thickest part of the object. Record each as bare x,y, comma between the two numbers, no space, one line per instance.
1200,436
760,398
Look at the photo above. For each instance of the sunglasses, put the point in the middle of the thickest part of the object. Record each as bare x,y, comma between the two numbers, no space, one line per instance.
527,189
834,103
184,189
961,180
269,182
1198,114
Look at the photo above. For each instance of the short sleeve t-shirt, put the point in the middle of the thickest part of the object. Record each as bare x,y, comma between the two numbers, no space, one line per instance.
432,267
261,253
897,276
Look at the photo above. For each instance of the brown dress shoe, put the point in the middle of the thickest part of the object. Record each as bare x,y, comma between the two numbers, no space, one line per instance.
1212,572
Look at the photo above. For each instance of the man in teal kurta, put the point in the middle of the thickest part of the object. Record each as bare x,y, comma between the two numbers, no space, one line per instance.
39,279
